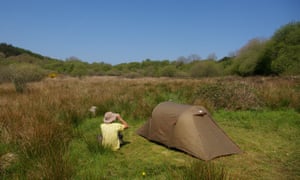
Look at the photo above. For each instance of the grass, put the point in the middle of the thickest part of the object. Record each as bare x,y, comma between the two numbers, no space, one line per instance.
135,160
47,131
269,139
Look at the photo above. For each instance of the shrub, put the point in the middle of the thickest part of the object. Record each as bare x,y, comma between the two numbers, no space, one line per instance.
233,96
168,71
21,74
132,75
52,75
4,74
284,50
248,58
206,69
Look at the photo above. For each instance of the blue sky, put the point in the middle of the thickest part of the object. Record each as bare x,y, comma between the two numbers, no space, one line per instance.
118,31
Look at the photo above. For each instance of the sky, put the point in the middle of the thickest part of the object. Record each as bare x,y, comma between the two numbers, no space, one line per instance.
121,31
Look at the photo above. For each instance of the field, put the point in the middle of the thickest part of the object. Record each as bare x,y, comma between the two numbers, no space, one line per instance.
47,132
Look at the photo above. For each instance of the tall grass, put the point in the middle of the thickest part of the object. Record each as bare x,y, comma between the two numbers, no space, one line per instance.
38,125
235,93
204,171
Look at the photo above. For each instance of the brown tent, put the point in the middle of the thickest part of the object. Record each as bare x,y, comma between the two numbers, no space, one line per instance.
188,128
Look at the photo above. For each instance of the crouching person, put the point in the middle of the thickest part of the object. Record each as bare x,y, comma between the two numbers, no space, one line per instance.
111,131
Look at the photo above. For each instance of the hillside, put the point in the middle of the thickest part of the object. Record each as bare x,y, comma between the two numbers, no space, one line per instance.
10,54
8,50
279,55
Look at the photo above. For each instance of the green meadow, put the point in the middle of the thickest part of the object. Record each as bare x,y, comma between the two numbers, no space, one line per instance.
269,140
47,132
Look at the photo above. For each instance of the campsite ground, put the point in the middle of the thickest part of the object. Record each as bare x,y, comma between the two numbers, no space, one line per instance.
270,146
47,132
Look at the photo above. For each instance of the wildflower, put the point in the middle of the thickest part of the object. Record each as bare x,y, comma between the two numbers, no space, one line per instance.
52,75
143,173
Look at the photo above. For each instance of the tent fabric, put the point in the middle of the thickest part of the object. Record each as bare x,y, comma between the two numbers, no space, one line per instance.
187,128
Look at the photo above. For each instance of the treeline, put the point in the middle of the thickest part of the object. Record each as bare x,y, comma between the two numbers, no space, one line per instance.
279,55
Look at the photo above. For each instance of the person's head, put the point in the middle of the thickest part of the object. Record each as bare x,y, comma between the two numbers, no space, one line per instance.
109,117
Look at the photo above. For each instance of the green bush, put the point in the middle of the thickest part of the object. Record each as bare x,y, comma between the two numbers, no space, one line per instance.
168,71
288,62
248,57
206,69
4,74
21,74
284,50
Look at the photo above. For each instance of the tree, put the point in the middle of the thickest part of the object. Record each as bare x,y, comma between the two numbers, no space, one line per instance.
212,56
284,50
21,74
10,50
98,68
168,71
208,68
248,57
181,61
75,67
193,57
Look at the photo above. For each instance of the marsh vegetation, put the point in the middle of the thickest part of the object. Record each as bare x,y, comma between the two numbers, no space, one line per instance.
48,132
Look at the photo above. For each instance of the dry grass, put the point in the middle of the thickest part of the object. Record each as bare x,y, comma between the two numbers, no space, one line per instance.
41,121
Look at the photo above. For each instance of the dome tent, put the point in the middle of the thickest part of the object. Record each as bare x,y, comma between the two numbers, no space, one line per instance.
188,128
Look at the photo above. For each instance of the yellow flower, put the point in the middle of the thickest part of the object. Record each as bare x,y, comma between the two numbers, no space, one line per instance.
143,173
52,75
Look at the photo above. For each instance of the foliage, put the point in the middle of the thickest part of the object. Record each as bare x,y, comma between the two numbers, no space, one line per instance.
279,55
4,74
21,74
284,49
248,57
9,50
208,68
98,68
168,71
